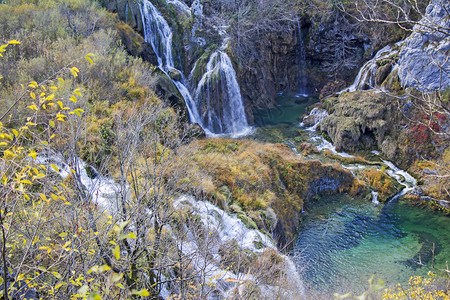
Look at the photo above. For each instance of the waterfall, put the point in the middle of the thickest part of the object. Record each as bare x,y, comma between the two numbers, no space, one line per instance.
365,80
217,106
157,32
301,64
227,115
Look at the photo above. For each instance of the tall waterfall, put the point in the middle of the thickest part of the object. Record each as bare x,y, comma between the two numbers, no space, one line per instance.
217,106
219,82
301,64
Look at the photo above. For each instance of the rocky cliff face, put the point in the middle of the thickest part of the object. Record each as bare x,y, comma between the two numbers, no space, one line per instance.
423,58
279,68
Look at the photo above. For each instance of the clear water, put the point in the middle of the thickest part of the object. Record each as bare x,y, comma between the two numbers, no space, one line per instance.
280,124
342,242
290,107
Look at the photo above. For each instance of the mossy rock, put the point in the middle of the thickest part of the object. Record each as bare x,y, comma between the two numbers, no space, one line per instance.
392,82
382,73
167,89
360,120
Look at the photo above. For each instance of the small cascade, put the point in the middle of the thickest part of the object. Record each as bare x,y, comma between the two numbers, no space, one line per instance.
365,80
402,177
301,64
375,198
226,115
103,191
316,116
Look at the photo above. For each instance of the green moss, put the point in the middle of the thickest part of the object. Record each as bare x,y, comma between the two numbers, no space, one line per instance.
248,222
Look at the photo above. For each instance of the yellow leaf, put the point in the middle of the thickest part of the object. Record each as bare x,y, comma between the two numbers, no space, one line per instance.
33,95
50,97
116,252
63,234
94,269
16,133
104,268
60,285
39,176
33,155
57,275
43,197
7,153
53,88
130,235
74,71
13,42
51,123
142,292
89,59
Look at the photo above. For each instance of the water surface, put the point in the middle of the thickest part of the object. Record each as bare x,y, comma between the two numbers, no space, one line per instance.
342,242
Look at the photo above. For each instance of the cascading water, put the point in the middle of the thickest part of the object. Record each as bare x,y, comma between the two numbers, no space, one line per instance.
301,64
217,106
365,80
157,32
219,83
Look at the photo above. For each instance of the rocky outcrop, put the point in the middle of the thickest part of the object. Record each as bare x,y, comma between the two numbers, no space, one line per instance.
127,10
360,120
420,61
423,59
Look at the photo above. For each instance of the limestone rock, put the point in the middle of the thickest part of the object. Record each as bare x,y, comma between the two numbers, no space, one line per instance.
423,61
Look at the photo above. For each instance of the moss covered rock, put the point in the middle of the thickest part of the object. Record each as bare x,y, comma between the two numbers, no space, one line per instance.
360,120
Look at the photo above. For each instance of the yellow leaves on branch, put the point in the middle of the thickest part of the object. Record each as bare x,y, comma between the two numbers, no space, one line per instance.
89,58
74,71
3,47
